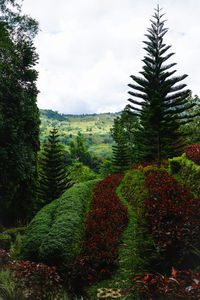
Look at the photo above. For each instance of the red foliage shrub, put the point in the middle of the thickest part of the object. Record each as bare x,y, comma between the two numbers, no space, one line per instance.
193,153
5,259
39,280
180,285
173,215
105,223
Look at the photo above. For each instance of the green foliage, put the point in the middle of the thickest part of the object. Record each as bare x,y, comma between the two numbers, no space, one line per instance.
53,172
188,171
55,233
13,232
94,128
133,190
174,165
121,159
165,106
191,130
9,290
128,125
106,167
5,241
16,247
19,115
79,173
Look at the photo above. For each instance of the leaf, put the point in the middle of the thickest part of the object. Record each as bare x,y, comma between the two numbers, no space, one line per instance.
174,272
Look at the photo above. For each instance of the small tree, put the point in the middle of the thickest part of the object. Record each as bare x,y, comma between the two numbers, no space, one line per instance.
164,106
53,172
121,154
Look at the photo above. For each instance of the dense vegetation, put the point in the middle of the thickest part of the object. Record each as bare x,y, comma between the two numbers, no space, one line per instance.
123,228
19,115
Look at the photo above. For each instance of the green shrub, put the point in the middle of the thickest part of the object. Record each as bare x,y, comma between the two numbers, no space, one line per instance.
9,288
16,247
174,165
188,171
5,241
56,232
134,191
13,232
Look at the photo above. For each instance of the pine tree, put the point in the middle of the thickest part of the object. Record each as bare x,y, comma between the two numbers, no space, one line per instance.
121,158
53,171
163,105
19,121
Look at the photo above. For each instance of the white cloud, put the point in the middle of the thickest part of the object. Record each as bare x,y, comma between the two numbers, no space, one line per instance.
88,49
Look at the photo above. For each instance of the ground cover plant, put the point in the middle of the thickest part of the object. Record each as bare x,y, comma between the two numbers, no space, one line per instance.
105,223
56,232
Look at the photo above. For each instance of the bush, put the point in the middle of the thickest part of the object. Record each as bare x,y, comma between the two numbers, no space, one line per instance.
193,153
5,241
105,222
174,165
188,171
56,232
134,190
27,280
38,280
173,215
180,285
5,259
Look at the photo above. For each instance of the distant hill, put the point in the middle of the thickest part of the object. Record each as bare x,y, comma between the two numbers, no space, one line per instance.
95,128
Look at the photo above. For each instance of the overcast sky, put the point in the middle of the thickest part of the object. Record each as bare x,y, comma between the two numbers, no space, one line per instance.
89,48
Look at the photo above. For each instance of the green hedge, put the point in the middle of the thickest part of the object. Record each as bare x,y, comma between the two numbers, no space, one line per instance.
134,191
188,171
56,232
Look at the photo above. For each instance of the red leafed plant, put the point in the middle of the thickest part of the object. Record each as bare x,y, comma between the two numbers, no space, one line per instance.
104,225
5,259
39,280
193,153
179,285
174,216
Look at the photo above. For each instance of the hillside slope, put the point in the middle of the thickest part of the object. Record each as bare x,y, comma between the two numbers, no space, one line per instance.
95,128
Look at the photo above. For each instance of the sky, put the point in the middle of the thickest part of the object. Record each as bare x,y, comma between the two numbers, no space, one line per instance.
89,48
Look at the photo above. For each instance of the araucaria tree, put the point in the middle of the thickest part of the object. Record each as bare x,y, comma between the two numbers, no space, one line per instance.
121,157
19,115
162,105
53,172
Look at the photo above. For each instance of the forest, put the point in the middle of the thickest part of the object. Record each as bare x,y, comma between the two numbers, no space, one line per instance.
97,206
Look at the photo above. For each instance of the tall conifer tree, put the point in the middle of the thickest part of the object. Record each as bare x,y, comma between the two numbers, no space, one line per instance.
162,105
53,171
121,158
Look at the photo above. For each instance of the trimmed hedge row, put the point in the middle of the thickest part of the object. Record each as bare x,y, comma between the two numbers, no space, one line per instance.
188,171
55,234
